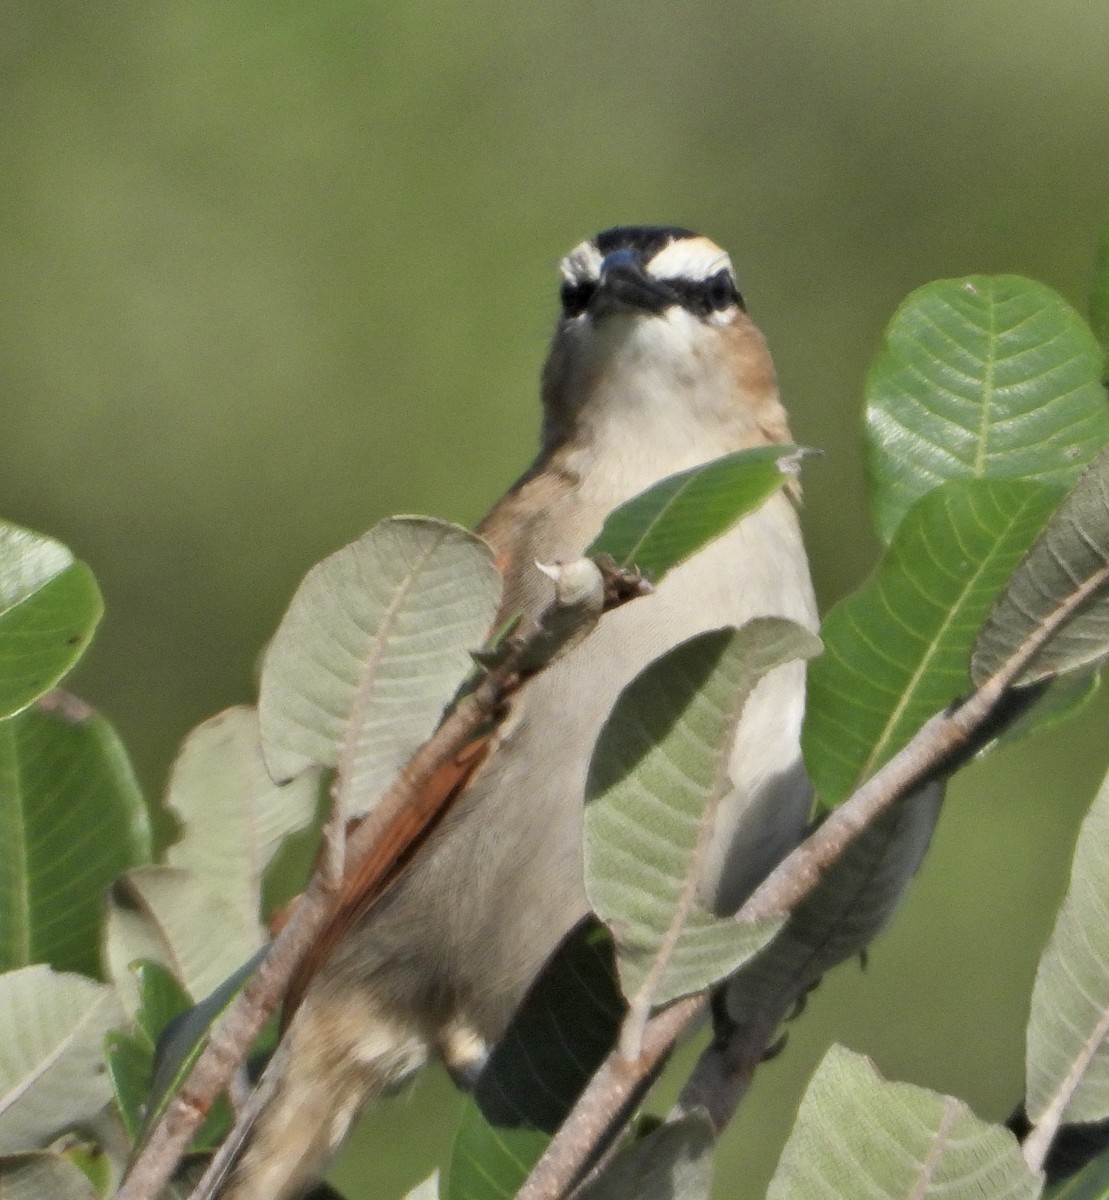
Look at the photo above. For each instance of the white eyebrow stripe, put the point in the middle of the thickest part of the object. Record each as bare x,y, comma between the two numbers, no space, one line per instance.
582,264
690,258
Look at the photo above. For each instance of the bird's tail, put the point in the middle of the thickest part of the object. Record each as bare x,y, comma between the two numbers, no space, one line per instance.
347,1053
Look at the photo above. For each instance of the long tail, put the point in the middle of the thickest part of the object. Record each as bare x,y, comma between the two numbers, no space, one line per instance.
338,1055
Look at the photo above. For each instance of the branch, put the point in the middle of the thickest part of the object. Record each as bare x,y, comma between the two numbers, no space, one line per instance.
939,741
386,835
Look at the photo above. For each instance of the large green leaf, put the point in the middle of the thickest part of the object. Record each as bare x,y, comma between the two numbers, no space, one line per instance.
173,917
372,647
857,1135
71,819
658,774
898,650
989,376
49,607
1068,1031
672,520
52,1029
673,1162
233,816
1061,584
557,1039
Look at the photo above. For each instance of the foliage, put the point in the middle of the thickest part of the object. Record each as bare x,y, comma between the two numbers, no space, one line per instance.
987,425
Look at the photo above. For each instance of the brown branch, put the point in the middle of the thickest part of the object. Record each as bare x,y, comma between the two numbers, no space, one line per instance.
389,831
936,745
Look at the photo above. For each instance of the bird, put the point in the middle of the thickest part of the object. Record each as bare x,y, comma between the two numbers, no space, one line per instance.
654,367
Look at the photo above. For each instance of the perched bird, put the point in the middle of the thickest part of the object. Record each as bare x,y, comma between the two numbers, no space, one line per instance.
654,367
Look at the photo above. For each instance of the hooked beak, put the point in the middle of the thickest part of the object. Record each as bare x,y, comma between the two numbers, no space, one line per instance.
625,286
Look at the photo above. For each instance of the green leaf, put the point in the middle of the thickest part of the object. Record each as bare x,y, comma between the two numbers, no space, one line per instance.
1068,1049
174,918
43,1175
49,607
672,520
234,817
857,1135
148,1066
1060,586
673,1162
1090,1183
1099,294
52,1030
559,1036
371,650
658,774
898,650
989,376
130,1058
71,819
849,907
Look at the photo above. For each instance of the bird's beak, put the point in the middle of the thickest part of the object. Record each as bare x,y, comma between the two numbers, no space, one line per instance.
626,287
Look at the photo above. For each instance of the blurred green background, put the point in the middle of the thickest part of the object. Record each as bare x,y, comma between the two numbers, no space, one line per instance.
274,270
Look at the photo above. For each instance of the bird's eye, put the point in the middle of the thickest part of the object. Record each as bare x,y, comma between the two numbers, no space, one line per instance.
720,291
575,295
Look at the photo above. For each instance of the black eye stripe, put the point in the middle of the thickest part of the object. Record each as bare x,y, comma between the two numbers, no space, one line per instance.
699,296
576,295
704,296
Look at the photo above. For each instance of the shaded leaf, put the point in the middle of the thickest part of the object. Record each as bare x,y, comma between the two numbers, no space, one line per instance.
174,918
234,816
848,908
49,607
673,1162
898,650
1068,1054
52,1030
559,1036
672,520
857,1135
988,376
181,1039
1062,699
149,1065
71,819
1061,585
44,1175
1090,1183
658,773
371,649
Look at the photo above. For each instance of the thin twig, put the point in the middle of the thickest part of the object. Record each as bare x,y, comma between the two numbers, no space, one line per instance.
937,743
390,826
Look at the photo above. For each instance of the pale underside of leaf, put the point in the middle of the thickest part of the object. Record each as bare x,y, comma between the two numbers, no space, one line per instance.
43,1176
233,816
1062,586
1068,1031
858,1137
173,917
373,646
52,1029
